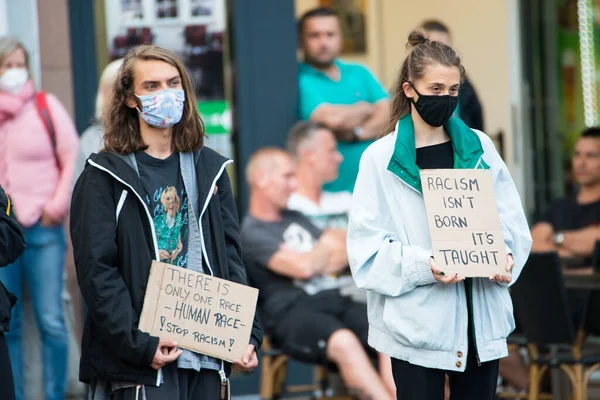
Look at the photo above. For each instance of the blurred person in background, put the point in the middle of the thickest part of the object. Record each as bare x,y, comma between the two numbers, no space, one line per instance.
294,265
469,108
12,244
571,226
314,149
344,97
38,148
92,139
313,146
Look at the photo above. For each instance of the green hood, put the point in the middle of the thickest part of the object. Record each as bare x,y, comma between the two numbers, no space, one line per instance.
466,144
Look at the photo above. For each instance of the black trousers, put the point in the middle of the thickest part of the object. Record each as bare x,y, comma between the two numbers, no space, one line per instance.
179,384
419,383
7,385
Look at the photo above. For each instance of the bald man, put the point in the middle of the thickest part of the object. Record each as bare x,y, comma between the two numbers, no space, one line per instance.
293,263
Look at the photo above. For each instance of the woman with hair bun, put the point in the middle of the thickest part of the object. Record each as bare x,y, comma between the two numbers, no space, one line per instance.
431,323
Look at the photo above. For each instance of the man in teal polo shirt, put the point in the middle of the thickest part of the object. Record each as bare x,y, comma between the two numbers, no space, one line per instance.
344,97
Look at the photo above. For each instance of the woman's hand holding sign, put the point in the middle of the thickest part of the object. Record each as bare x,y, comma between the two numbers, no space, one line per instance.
440,276
510,263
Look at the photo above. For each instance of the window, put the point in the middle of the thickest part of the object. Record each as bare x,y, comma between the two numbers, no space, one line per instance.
166,9
132,10
200,8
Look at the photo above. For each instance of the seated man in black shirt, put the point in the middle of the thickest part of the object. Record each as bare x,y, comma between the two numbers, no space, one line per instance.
293,264
572,225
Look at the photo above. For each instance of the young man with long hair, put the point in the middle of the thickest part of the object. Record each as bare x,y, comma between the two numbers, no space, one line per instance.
154,193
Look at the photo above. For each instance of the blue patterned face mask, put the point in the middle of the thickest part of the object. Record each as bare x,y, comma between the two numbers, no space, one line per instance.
162,109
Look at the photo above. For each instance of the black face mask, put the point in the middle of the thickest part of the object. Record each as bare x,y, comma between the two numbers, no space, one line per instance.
435,110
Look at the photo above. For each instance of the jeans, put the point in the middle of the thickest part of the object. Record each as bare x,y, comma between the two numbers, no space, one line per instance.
42,267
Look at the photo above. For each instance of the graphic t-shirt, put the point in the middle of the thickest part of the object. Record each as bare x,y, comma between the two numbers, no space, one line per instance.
261,240
167,201
331,212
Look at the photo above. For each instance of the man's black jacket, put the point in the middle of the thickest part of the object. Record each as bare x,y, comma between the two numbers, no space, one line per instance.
12,245
113,260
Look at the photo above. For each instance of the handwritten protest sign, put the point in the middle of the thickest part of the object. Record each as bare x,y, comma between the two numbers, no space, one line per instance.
200,312
466,233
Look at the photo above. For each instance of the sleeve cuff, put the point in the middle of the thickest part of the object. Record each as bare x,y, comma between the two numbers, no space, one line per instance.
255,343
150,351
425,276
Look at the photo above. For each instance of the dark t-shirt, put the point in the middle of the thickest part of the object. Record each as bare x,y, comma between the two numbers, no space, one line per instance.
438,156
260,241
567,214
167,201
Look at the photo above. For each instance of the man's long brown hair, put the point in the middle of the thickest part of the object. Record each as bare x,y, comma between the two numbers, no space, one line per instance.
121,122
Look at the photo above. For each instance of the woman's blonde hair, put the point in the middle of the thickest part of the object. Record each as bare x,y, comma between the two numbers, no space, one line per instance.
107,80
9,44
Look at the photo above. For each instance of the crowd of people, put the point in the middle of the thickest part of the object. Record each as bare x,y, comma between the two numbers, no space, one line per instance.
335,237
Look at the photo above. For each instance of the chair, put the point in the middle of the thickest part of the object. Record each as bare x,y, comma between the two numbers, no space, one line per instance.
542,309
274,373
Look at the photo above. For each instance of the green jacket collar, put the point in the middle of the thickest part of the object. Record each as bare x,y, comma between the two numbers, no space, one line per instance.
466,144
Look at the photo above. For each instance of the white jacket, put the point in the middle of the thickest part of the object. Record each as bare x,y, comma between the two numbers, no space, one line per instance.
412,317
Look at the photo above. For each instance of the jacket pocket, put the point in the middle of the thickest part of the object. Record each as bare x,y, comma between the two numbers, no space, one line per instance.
495,309
426,317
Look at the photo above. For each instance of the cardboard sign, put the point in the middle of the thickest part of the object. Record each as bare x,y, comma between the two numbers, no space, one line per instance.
202,313
466,233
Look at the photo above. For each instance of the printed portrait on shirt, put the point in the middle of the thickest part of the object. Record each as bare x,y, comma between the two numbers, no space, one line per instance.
170,223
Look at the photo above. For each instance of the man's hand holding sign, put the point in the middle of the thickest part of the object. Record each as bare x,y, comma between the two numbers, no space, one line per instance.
200,313
466,233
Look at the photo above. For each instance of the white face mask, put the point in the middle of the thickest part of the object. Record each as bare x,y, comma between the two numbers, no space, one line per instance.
13,80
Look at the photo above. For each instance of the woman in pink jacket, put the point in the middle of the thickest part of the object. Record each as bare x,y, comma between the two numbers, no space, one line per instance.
37,174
